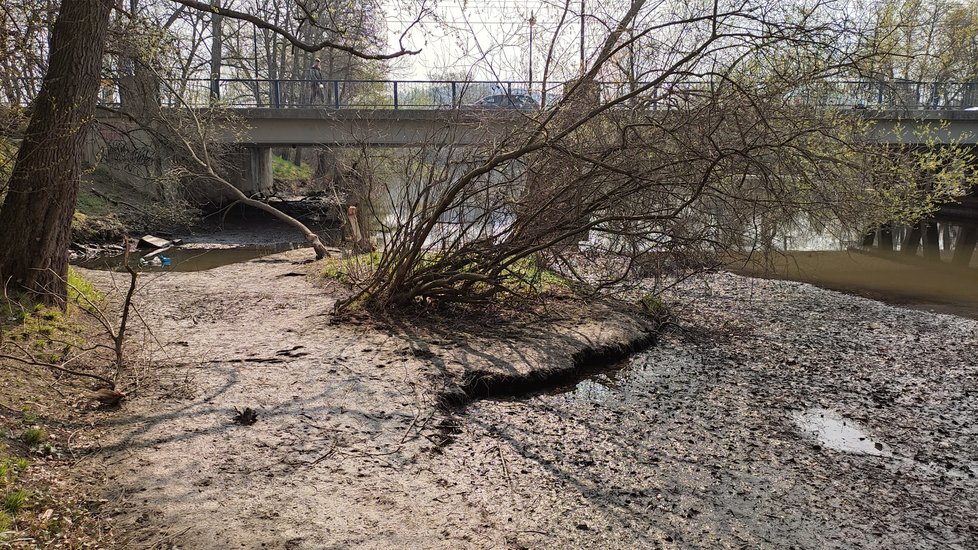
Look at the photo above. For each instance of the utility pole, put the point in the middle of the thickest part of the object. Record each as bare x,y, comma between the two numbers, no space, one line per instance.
582,38
529,86
217,36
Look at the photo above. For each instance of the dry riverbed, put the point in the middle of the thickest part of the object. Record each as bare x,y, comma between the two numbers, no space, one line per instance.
700,441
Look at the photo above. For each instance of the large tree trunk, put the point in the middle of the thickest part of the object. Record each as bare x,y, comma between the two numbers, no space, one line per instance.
35,220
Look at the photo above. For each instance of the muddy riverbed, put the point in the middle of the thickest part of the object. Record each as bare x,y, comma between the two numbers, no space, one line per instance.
725,433
776,415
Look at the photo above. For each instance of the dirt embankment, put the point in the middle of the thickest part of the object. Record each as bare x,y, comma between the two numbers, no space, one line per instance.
350,413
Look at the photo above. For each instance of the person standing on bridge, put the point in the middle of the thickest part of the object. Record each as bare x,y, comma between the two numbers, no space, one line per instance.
316,78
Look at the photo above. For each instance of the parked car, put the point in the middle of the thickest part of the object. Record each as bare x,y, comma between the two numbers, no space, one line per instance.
519,101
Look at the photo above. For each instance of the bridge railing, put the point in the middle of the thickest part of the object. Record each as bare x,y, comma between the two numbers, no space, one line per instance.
416,94
447,94
344,94
889,95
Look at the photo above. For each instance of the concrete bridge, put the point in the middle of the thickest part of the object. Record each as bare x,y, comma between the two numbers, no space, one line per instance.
390,113
270,127
924,127
276,113
310,126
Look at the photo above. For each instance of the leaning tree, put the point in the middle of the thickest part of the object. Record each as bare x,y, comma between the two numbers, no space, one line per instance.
35,218
700,149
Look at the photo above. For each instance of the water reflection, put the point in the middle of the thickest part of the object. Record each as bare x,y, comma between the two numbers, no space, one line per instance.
833,431
189,259
636,379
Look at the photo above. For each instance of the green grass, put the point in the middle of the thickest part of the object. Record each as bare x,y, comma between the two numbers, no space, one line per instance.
81,291
287,171
5,521
92,205
33,436
37,325
525,275
15,501
45,448
10,470
352,269
654,306
28,416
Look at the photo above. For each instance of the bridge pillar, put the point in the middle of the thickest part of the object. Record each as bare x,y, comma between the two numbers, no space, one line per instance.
869,238
964,248
946,235
250,169
932,241
886,237
911,241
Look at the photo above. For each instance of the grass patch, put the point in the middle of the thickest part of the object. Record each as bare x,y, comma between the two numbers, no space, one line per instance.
92,205
15,501
81,291
527,276
350,270
45,331
29,417
285,170
652,305
33,436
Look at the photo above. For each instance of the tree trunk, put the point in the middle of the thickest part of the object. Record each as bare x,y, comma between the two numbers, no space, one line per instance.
35,220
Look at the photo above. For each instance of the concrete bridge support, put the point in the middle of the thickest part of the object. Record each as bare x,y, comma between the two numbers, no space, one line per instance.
964,248
250,169
932,241
926,237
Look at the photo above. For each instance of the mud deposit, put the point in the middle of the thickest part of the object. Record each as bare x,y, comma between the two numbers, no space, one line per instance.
697,443
694,443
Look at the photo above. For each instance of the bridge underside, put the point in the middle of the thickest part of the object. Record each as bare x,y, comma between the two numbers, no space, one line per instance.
924,127
467,126
351,128
370,128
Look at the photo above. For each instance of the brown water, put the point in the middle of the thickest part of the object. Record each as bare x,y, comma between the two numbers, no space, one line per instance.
188,259
911,282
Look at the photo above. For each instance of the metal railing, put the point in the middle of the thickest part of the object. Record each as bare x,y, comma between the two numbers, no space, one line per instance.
890,95
339,94
448,94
